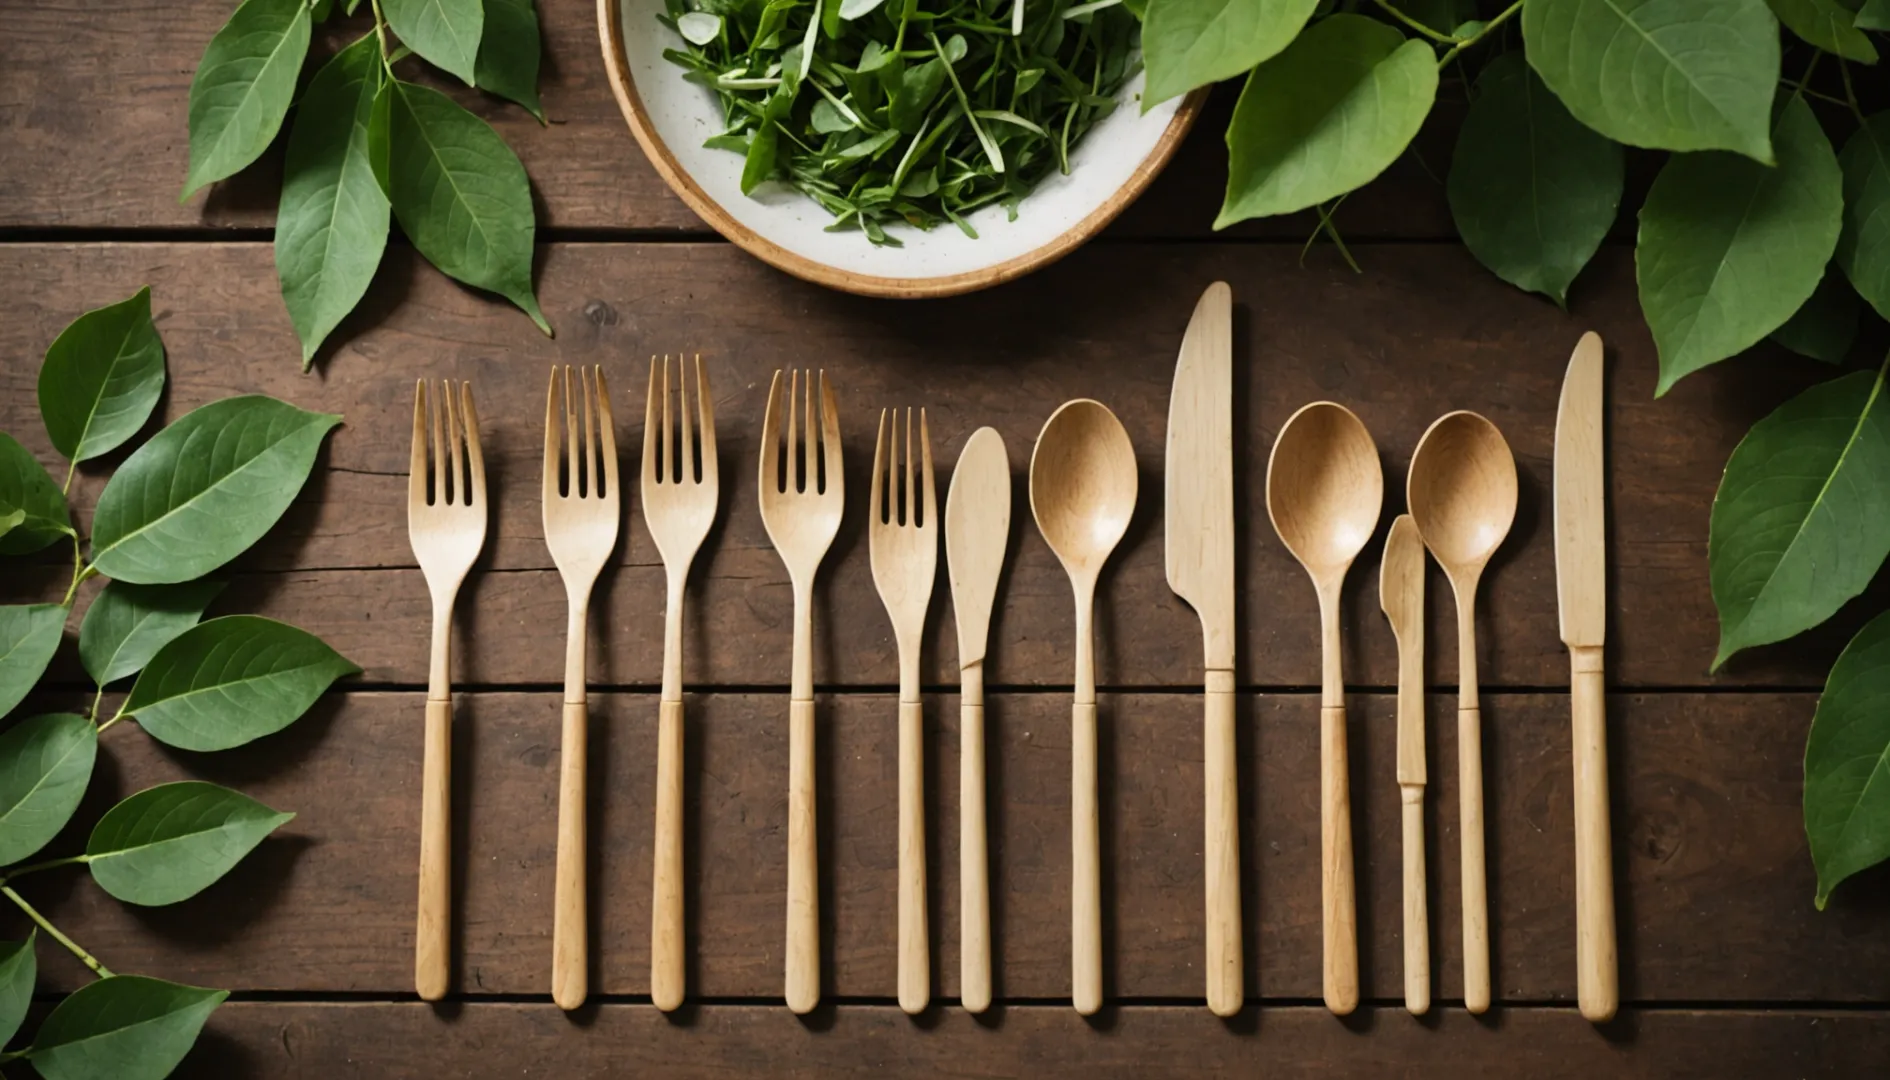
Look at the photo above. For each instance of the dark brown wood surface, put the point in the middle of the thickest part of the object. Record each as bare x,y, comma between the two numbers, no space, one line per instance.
1727,970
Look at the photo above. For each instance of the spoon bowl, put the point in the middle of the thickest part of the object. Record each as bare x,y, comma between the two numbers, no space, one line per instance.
1462,490
1083,485
1324,487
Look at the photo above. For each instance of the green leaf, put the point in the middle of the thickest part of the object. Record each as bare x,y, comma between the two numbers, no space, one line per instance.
1532,190
1190,43
1325,116
29,635
1874,15
461,195
127,624
204,489
170,842
126,1027
1802,519
332,224
1864,247
759,164
380,120
25,489
1665,74
19,967
9,520
1827,24
228,681
243,88
509,53
444,32
1730,248
45,765
1826,325
1847,762
102,378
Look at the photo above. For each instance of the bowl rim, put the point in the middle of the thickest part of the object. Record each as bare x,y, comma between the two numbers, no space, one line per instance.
623,87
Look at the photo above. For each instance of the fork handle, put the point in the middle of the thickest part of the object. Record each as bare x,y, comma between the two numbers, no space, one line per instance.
433,925
915,964
666,918
803,885
569,978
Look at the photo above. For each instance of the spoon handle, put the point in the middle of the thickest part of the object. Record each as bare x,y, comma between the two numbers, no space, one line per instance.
975,901
1085,864
1476,904
1225,988
1335,848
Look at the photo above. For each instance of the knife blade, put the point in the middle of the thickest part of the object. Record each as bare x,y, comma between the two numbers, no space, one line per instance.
1581,594
1199,547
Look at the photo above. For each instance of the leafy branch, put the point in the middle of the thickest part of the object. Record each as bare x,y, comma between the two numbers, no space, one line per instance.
367,147
172,512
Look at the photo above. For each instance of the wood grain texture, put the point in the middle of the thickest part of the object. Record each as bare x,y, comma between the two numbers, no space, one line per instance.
1091,324
1710,856
343,1041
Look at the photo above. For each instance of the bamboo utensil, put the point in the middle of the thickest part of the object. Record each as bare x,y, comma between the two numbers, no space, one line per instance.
977,530
902,531
1324,494
446,522
1199,545
1462,492
1082,493
802,495
681,489
581,503
1401,594
1581,579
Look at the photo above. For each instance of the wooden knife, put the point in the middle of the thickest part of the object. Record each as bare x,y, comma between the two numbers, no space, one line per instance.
1199,483
1581,578
1401,595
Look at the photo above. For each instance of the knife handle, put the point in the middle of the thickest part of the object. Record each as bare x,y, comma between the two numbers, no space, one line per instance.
1597,989
1085,864
1335,850
1417,930
666,905
803,870
1225,988
1476,902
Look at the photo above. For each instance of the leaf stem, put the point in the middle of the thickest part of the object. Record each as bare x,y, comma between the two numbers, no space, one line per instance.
72,469
120,715
380,31
98,699
1850,95
72,946
48,864
81,573
1442,39
1502,17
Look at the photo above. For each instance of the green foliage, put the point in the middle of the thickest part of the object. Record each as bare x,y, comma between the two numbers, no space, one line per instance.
1802,519
351,154
1826,325
1532,190
1730,248
1847,762
193,497
226,682
1190,43
102,378
1864,247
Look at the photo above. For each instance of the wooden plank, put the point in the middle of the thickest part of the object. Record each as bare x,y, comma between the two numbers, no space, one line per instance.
93,100
336,1041
1715,886
1423,332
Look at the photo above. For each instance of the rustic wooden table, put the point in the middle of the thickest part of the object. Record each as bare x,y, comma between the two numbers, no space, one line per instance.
1726,969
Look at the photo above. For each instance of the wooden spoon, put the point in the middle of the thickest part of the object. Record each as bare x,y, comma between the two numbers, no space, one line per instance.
1462,493
1324,492
1082,493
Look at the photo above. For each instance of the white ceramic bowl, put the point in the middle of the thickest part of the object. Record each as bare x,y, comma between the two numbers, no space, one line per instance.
671,118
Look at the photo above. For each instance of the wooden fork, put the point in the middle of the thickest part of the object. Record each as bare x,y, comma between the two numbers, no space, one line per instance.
802,496
448,529
680,493
580,529
903,529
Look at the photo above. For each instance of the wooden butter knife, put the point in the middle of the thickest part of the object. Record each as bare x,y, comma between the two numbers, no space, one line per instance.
1401,595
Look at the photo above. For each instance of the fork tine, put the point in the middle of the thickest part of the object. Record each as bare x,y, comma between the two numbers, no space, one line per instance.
876,502
705,415
666,471
686,446
795,454
929,509
476,462
606,437
910,504
572,461
650,472
417,464
829,435
591,489
455,444
771,438
552,415
436,419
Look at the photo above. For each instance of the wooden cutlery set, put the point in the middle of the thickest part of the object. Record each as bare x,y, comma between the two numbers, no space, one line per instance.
1324,491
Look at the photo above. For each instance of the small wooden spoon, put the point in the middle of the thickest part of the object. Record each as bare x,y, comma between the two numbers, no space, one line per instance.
1324,492
1082,493
1462,493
